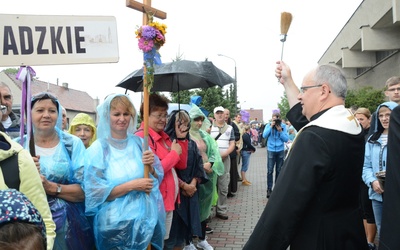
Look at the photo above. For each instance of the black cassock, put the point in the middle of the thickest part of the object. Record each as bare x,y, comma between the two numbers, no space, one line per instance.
314,204
390,230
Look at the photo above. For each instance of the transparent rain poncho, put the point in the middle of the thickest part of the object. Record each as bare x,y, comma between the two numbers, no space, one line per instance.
135,219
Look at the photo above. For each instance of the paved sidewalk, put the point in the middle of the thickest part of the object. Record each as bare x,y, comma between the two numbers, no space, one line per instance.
244,209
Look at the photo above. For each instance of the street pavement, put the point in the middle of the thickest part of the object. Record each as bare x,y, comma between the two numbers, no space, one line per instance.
244,209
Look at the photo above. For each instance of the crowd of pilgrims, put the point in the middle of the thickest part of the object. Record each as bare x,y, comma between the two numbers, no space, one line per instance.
106,191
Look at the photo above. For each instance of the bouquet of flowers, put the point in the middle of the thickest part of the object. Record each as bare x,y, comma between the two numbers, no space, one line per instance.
151,38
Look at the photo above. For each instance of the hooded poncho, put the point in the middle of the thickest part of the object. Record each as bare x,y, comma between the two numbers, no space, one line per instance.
83,119
131,221
200,136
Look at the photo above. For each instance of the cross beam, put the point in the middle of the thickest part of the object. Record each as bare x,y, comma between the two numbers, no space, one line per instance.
146,9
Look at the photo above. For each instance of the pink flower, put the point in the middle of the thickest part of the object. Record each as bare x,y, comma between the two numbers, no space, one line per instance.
146,45
159,36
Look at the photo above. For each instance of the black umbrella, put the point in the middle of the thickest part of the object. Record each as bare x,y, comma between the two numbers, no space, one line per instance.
179,75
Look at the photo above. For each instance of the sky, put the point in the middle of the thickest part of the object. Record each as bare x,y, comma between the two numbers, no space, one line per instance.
247,33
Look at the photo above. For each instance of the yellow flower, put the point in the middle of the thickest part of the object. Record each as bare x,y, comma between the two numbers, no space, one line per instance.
160,26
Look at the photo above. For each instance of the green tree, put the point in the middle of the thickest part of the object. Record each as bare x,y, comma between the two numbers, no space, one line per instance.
211,98
231,97
228,104
283,106
183,96
10,70
366,97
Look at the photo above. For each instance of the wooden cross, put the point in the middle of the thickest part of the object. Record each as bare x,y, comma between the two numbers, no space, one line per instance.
145,7
147,10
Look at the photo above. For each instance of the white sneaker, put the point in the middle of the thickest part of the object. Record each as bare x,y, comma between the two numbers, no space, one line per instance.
190,247
203,244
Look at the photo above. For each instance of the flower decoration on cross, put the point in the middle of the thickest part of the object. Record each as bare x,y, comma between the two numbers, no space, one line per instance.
151,38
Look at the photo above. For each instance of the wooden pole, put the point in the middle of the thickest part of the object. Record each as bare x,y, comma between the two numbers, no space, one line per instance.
145,118
146,9
146,100
146,123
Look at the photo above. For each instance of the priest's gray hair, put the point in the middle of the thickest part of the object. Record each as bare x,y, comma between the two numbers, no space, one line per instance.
334,77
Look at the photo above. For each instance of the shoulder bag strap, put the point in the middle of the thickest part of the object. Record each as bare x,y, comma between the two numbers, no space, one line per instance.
216,138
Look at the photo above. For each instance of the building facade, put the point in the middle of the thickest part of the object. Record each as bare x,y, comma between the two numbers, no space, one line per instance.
74,101
367,47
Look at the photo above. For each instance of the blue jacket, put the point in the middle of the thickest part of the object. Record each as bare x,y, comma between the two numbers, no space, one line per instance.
375,155
373,152
276,140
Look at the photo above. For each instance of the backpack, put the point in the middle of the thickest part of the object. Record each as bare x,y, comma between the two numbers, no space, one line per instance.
10,172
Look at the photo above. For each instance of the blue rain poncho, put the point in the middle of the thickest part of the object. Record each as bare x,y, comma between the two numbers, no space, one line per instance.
65,165
135,219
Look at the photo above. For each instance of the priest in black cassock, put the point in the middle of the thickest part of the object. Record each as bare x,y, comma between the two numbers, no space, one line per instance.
315,205
390,230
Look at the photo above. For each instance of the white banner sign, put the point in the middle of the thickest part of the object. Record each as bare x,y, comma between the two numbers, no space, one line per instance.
50,40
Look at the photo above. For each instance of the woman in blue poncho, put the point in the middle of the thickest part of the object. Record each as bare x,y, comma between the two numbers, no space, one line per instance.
128,209
59,158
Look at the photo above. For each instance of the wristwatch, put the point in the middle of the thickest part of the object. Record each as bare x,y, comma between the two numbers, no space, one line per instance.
59,189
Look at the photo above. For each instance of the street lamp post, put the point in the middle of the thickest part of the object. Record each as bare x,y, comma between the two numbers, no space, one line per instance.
234,84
